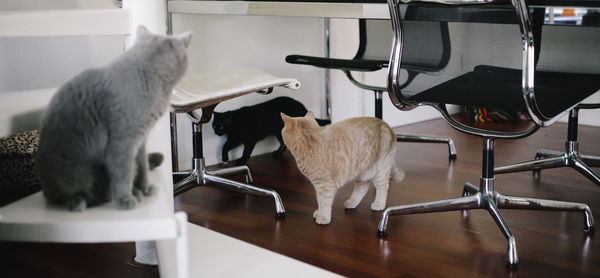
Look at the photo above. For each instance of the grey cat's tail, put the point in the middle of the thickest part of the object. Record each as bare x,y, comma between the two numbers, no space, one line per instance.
154,160
397,173
322,122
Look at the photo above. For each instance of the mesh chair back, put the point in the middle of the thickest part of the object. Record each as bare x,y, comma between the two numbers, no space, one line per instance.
426,43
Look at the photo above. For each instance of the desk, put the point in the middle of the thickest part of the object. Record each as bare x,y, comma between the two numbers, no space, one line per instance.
331,9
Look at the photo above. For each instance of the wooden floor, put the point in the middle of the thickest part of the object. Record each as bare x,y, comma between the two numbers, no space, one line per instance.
549,244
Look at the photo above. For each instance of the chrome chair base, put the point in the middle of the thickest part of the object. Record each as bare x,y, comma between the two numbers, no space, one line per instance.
485,197
429,139
546,159
199,176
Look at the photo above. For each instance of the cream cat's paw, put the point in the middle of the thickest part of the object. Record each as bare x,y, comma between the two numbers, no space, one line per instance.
322,220
351,204
377,206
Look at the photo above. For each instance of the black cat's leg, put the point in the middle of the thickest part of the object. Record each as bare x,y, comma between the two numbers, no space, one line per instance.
279,152
229,144
248,148
120,166
141,185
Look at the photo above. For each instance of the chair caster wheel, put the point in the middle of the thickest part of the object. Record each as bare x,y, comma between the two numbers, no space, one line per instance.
512,265
452,157
280,215
382,233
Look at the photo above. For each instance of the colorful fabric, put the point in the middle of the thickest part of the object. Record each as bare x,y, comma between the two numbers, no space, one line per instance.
492,115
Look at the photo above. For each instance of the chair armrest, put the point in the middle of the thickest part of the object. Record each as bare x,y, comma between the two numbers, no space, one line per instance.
341,64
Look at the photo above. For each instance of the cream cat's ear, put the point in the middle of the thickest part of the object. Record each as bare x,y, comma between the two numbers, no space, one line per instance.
185,38
287,120
310,114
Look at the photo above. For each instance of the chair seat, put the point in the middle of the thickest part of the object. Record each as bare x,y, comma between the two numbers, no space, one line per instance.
198,91
496,87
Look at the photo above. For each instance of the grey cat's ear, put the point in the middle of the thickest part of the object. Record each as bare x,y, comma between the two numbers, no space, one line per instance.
142,30
310,114
185,38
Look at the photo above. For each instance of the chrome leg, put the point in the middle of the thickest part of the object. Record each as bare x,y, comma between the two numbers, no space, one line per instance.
469,189
578,164
541,153
462,203
185,184
429,139
512,260
590,160
250,189
234,170
511,202
199,176
545,159
545,163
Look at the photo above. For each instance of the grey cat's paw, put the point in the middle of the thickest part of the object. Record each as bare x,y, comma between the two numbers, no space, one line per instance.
126,202
77,204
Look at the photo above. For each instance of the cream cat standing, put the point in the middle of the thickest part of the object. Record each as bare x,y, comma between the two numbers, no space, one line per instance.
93,137
359,150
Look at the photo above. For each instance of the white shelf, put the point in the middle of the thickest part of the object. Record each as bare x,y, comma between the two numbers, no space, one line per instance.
32,219
302,9
64,22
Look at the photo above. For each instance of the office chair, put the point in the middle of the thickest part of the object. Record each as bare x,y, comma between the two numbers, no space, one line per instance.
205,92
541,94
372,55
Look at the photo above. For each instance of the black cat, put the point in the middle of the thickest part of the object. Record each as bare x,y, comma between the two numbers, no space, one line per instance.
250,124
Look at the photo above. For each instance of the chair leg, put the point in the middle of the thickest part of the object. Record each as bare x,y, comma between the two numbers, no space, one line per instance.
429,139
580,166
461,203
512,260
545,163
234,170
590,160
541,153
512,202
280,210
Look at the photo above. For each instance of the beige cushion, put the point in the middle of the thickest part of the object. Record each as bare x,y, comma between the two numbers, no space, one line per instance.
206,89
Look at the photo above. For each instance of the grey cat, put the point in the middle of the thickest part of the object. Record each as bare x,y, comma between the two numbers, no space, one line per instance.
92,141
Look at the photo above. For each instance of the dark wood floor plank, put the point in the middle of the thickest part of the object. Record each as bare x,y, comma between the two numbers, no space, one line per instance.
550,244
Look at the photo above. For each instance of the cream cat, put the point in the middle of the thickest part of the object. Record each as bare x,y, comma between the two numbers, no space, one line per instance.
359,150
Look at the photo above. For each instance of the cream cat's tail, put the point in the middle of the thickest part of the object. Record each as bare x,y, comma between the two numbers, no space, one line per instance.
397,173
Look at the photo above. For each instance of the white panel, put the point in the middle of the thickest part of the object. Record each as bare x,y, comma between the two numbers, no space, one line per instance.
63,22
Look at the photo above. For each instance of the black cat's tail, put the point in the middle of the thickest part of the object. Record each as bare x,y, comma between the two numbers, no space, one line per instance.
323,122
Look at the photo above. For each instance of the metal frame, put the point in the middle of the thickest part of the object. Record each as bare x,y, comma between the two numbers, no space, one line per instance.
378,94
485,196
199,175
571,157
